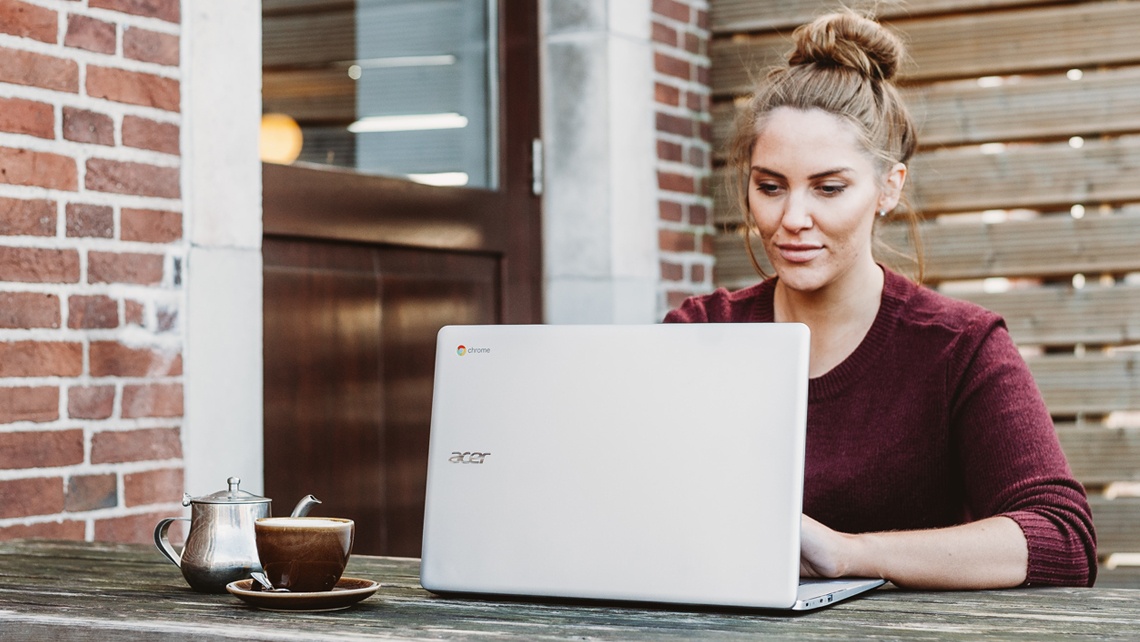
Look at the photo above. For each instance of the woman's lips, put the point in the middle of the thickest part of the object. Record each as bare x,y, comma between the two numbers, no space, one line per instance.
798,252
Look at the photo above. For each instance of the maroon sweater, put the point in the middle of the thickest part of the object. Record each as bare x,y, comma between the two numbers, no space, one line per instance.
934,420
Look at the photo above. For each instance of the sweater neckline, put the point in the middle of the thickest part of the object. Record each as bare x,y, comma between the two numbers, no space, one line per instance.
896,289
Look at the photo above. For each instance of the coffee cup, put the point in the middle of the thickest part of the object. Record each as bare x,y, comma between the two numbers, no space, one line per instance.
304,554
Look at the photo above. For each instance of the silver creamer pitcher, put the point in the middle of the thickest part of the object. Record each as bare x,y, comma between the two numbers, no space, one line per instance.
220,547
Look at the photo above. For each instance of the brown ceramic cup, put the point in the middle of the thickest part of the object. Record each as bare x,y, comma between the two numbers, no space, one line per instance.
304,554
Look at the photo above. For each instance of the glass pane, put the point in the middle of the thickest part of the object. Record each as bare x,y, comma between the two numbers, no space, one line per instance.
397,87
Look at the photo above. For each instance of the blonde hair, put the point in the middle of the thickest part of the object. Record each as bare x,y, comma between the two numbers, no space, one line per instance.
843,64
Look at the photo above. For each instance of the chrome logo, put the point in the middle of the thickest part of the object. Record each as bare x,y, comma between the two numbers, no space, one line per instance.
461,350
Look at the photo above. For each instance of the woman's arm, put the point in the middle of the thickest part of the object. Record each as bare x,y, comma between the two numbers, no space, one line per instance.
989,553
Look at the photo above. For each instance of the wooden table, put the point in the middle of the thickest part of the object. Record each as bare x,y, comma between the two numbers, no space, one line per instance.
95,591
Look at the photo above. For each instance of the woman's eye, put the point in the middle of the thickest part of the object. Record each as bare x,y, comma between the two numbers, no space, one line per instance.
767,188
832,190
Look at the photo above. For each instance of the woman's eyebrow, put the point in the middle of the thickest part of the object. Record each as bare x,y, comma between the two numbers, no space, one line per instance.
817,175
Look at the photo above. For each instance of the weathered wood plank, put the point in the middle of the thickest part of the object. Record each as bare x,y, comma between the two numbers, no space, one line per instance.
1117,524
1119,577
1100,103
1049,246
1062,315
966,46
1033,176
734,16
1100,455
1096,384
39,600
1051,176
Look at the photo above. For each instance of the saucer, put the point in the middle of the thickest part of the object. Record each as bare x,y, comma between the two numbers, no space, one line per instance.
348,591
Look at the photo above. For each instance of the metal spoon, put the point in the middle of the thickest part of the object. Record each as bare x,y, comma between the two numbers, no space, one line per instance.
266,585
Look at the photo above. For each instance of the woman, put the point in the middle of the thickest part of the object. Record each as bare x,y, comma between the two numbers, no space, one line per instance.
932,461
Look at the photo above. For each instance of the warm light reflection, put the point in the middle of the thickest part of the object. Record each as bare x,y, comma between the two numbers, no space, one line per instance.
281,139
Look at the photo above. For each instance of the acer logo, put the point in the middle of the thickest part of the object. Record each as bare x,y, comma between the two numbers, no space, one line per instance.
468,458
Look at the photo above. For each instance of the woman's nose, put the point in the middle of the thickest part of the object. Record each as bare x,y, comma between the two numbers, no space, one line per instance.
796,216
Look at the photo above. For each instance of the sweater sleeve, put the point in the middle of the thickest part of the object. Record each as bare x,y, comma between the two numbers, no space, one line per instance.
1012,462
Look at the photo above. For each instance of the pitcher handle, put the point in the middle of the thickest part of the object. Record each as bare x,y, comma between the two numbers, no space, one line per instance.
163,544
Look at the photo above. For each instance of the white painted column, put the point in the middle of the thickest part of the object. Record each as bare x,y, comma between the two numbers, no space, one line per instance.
221,177
600,203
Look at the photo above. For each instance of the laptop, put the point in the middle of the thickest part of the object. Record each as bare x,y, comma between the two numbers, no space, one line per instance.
649,463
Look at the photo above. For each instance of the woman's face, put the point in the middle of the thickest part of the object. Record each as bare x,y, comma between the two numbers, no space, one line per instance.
813,194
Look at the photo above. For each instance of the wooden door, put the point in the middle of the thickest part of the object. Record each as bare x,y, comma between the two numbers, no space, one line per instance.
360,272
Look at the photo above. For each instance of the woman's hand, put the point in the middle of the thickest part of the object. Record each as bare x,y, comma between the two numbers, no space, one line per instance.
989,553
824,552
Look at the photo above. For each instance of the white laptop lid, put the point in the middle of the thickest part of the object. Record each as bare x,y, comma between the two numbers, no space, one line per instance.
654,463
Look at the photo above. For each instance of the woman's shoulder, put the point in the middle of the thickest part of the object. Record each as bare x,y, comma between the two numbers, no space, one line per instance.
725,306
921,306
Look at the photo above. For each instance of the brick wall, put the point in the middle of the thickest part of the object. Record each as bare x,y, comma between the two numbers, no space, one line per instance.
681,73
91,259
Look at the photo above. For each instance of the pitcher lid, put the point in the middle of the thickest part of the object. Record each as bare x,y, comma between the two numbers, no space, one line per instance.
232,495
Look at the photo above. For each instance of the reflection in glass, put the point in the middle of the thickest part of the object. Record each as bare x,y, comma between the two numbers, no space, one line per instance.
398,87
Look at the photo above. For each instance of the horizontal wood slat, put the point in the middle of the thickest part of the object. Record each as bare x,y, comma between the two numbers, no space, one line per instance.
1119,577
1034,176
1117,523
967,46
1096,384
949,114
1049,246
732,16
1063,315
1099,455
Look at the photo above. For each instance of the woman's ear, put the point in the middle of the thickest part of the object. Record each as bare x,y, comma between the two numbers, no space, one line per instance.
893,187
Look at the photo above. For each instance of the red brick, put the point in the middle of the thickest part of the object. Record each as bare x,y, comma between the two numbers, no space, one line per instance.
41,359
695,102
698,215
695,44
669,66
40,169
38,70
697,273
90,402
134,313
162,486
35,265
139,179
28,21
663,34
672,271
669,151
19,116
697,157
40,403
28,497
92,221
702,20
671,182
150,226
68,529
167,10
20,310
91,492
675,125
113,359
672,241
152,400
128,267
83,126
704,75
707,244
671,9
133,529
666,94
148,444
88,33
675,298
133,87
33,217
151,46
144,133
670,211
92,312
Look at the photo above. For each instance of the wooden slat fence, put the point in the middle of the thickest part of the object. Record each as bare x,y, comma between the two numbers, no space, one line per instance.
1028,183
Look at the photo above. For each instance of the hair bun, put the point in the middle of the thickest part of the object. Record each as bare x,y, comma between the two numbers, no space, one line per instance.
846,39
